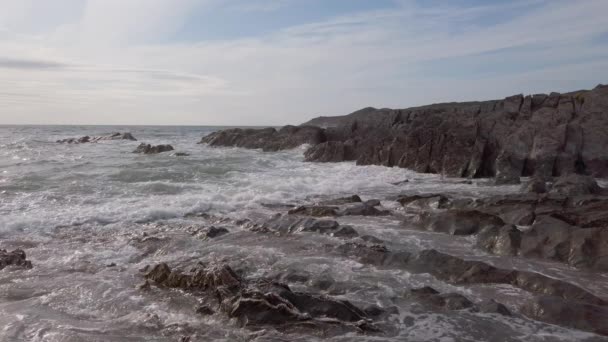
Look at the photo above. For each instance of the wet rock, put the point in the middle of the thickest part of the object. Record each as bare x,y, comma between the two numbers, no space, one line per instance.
267,139
342,200
326,152
214,232
459,271
345,232
505,240
204,310
457,221
182,154
567,313
535,185
16,258
424,201
575,185
88,139
159,273
403,182
315,211
150,149
289,224
262,302
494,307
374,254
363,209
449,301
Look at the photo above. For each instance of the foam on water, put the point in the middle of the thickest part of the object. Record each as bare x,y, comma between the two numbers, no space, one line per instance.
78,209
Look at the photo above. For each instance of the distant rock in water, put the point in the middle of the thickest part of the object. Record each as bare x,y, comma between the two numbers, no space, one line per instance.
535,135
268,139
88,139
15,258
152,149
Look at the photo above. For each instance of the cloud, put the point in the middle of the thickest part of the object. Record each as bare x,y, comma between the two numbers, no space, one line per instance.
119,62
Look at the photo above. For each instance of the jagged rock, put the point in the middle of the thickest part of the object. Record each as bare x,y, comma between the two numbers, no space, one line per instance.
448,301
345,232
575,185
214,232
268,139
517,136
456,221
326,152
262,302
289,224
342,200
315,211
150,149
424,201
572,314
536,185
363,209
503,240
88,139
459,271
492,306
16,258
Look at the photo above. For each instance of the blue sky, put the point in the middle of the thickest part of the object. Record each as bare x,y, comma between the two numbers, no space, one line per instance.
237,62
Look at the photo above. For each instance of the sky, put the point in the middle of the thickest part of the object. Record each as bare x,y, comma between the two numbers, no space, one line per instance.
274,62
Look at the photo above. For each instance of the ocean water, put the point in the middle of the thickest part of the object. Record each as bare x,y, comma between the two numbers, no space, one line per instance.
90,216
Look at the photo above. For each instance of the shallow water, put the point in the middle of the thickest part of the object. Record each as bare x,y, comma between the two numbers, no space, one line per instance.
78,210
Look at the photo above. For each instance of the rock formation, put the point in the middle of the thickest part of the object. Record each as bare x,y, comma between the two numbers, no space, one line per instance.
541,135
152,149
88,139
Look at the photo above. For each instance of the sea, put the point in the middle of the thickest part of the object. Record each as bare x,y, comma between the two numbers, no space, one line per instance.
91,216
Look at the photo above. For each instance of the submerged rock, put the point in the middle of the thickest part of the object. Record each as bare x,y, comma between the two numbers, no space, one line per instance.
15,258
152,149
457,221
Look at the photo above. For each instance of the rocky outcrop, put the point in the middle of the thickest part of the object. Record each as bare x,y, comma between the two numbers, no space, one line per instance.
15,258
267,139
262,302
542,135
88,139
152,149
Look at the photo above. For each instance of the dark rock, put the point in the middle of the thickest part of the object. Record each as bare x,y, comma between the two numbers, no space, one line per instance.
315,211
572,314
362,209
88,139
326,152
459,271
504,240
536,185
449,301
214,232
182,154
289,224
262,302
457,221
509,138
575,185
149,149
372,203
343,200
403,182
268,139
374,254
204,310
492,306
16,258
425,201
345,232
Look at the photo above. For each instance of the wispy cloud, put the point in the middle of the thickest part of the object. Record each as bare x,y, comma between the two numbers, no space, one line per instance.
125,67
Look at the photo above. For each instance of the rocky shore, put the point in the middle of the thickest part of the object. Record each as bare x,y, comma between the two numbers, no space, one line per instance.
559,216
536,135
